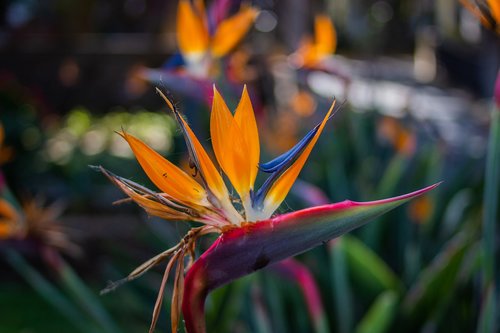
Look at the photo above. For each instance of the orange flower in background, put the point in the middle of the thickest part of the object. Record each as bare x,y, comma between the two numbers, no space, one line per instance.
401,138
9,219
197,45
203,38
303,103
312,51
35,222
421,210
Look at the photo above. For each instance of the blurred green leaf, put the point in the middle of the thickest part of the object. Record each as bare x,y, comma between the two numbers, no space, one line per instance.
369,269
342,294
455,211
387,185
392,175
491,189
49,292
87,299
380,315
225,304
275,295
487,318
437,282
259,311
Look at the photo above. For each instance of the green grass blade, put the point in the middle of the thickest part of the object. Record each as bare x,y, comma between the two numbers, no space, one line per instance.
87,299
380,315
342,294
227,304
490,217
437,283
388,184
369,269
491,188
259,310
48,291
487,318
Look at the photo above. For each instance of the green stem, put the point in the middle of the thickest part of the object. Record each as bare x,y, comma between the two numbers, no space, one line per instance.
341,287
491,198
490,216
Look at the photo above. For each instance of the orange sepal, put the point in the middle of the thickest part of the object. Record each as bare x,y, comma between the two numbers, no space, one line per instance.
152,207
165,175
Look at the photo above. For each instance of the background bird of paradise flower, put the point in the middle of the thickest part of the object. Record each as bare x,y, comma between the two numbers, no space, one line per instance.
418,82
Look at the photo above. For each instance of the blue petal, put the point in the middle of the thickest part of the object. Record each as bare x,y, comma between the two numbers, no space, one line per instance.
258,197
279,165
286,158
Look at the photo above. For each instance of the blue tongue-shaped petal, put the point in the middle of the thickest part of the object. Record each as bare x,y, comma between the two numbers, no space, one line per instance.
288,157
280,164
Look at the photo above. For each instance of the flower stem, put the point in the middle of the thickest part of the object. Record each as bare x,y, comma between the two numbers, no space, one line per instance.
491,197
195,293
492,182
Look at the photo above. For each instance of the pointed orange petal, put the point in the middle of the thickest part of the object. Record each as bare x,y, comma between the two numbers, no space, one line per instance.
282,186
221,121
325,36
234,142
494,9
221,128
165,175
247,130
192,32
230,31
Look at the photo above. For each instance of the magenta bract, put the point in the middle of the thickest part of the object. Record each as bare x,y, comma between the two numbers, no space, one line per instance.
243,250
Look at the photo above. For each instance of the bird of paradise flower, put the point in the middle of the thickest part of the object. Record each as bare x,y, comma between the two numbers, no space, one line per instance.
203,38
313,51
250,238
